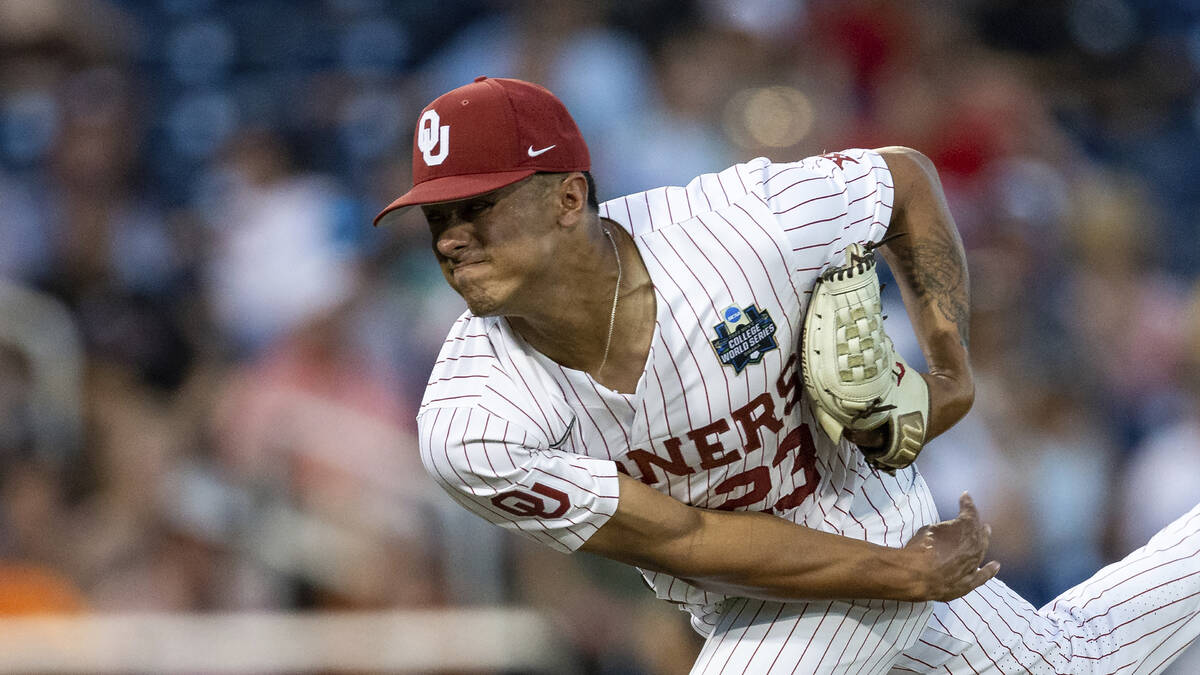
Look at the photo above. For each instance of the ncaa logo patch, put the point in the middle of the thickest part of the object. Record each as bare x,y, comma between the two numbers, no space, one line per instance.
743,337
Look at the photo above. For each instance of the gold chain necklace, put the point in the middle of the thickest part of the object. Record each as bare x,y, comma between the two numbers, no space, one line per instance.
612,319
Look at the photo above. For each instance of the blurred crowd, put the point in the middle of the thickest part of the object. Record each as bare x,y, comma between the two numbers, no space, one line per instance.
210,362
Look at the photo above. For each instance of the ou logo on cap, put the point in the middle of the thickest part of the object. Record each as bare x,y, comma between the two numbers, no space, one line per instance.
431,133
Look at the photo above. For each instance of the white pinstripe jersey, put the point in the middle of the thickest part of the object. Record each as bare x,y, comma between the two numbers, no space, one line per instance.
535,447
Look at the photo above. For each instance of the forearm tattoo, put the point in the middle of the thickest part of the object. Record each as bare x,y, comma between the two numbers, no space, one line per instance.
934,268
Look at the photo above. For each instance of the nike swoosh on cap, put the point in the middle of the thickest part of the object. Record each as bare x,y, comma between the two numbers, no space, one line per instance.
535,153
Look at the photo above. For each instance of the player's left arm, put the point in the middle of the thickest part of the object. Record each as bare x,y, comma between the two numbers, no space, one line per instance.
930,267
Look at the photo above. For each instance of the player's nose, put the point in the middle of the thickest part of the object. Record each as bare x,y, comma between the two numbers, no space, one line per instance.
453,239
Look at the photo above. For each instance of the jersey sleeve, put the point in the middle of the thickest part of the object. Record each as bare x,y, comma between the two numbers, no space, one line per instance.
828,201
510,477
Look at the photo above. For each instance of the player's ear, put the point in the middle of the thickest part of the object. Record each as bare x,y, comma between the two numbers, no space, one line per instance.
571,194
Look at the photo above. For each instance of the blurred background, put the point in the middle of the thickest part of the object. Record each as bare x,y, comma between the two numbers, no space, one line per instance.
210,362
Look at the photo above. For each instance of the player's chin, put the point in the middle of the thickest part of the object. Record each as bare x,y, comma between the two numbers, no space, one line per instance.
487,297
484,310
479,299
480,302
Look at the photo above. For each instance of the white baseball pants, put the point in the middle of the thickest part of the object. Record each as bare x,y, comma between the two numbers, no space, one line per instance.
1130,618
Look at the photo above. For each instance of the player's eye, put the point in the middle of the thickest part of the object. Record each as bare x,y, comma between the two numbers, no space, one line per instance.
475,209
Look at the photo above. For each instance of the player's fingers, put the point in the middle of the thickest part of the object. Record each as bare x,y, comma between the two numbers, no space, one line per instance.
975,579
983,574
974,546
966,507
870,438
983,538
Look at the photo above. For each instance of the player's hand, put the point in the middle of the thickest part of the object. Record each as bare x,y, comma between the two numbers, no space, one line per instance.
949,555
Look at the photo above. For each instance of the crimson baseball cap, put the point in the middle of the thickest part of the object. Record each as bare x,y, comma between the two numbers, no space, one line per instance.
488,134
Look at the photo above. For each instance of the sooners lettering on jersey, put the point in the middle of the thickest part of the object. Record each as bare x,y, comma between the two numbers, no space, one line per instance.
716,420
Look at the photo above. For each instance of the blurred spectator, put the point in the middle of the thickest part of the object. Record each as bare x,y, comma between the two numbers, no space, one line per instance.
1166,463
311,429
1160,479
1133,308
277,257
33,590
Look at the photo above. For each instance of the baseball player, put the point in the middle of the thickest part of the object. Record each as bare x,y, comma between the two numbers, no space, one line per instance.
627,381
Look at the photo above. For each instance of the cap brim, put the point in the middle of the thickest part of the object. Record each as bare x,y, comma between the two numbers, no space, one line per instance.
453,188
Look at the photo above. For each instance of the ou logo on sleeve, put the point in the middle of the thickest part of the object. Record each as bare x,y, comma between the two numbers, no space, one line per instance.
431,134
551,504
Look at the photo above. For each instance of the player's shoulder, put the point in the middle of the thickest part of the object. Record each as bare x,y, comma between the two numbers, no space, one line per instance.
662,207
759,180
839,166
485,366
466,363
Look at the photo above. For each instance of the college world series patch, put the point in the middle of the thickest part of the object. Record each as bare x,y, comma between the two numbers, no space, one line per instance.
744,336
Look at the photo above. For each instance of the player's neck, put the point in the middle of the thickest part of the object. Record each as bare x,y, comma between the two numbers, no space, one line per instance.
575,325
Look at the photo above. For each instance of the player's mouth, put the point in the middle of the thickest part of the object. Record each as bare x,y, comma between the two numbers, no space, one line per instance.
466,267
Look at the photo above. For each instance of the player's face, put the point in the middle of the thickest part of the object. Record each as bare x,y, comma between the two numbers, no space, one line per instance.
492,248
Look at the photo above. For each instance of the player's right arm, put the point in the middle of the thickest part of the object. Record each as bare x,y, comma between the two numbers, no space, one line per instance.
758,555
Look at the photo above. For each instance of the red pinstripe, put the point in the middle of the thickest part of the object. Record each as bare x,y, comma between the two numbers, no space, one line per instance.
832,638
910,628
778,249
787,640
450,463
745,630
695,361
717,272
876,656
980,642
488,456
792,185
797,205
452,378
1118,648
1189,524
1006,647
853,632
721,184
588,413
1138,574
1019,635
1134,597
463,356
451,398
545,431
759,645
696,316
619,424
723,634
881,640
828,243
1170,656
862,643
571,482
536,399
687,409
812,638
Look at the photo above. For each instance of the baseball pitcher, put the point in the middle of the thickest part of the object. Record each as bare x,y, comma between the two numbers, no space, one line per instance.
697,381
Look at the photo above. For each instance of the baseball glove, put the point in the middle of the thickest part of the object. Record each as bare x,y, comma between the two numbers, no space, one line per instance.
852,373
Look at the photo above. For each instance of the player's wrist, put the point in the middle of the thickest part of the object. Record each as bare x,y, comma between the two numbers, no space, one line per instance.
903,574
950,398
